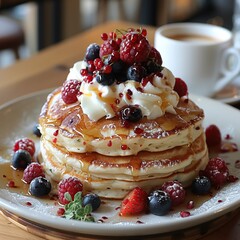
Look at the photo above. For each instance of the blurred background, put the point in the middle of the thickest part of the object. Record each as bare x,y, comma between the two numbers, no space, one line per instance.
27,27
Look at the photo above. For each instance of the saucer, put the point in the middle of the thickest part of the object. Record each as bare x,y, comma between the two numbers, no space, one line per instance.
230,94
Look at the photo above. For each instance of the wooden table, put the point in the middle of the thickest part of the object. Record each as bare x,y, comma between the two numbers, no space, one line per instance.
49,69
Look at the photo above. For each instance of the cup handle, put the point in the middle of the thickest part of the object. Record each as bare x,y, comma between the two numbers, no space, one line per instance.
229,70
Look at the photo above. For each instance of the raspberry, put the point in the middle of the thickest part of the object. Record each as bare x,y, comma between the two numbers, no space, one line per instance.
70,91
155,56
108,47
71,185
175,190
32,171
180,87
217,172
25,144
213,136
134,48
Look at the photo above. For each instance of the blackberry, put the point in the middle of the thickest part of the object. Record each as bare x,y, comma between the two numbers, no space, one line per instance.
153,67
21,159
92,52
119,69
159,203
201,185
105,79
136,73
40,186
131,114
93,200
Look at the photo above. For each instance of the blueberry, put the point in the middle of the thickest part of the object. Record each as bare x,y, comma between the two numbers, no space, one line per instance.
201,185
131,113
36,130
105,79
40,186
159,203
119,69
93,200
21,158
92,52
136,73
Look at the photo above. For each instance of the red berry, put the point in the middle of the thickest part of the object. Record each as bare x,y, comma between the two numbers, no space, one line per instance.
155,56
134,203
108,47
134,48
71,185
175,191
25,144
180,87
32,171
217,172
213,136
70,91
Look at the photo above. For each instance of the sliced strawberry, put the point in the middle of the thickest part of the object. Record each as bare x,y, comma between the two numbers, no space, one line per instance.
134,203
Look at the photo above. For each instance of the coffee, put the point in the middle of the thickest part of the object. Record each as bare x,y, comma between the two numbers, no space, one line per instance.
193,38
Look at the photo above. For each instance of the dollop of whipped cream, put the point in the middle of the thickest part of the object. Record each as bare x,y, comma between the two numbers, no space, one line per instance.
154,97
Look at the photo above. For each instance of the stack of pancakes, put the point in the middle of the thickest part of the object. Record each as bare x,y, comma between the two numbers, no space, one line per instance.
111,159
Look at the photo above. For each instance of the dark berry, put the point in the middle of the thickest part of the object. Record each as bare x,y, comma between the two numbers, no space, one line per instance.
159,203
32,171
36,130
105,79
130,113
201,185
153,67
70,91
71,185
155,56
175,191
92,52
93,200
180,87
136,72
21,159
40,186
25,144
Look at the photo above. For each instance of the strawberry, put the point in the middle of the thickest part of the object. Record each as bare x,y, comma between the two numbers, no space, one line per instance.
134,203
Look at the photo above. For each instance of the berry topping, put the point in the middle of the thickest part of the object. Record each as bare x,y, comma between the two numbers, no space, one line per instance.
175,191
71,185
134,48
21,158
32,171
213,136
93,200
25,144
217,172
155,56
201,185
105,79
134,203
159,203
130,113
92,52
40,186
36,130
136,72
70,91
108,47
180,87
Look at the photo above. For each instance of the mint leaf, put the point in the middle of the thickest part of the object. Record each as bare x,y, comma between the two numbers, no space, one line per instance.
75,210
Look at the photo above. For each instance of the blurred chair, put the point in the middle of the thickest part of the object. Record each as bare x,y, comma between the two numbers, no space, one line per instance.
11,35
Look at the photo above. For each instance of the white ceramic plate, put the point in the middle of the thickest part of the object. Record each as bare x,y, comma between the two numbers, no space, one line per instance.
17,119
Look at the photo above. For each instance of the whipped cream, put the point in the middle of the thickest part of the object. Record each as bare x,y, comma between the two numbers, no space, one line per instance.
154,98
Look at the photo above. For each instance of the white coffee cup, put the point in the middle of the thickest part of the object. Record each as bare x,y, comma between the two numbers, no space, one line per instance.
201,54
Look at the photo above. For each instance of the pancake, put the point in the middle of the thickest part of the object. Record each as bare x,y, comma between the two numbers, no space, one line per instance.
170,147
